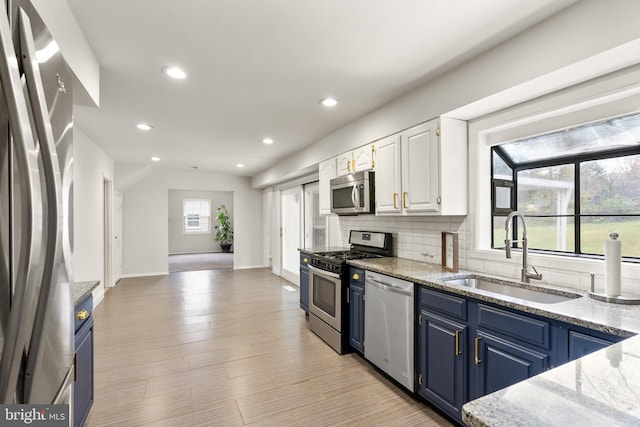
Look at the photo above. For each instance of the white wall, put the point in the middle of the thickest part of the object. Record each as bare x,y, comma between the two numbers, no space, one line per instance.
145,219
184,243
575,45
90,167
64,28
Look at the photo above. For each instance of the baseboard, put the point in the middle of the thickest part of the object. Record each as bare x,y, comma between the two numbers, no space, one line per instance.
131,276
248,267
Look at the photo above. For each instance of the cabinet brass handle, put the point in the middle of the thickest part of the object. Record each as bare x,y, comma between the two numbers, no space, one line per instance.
458,353
82,315
348,295
478,361
395,200
305,260
353,165
404,199
348,165
420,379
356,276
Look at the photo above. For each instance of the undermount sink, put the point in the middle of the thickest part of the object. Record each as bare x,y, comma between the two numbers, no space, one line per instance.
512,289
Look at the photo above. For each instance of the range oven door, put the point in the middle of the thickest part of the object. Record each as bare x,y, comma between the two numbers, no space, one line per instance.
325,294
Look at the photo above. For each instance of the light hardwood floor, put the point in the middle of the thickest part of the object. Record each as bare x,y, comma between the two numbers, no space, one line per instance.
230,348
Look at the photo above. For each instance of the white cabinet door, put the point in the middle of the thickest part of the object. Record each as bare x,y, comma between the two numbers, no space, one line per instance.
363,158
388,177
326,172
344,164
420,175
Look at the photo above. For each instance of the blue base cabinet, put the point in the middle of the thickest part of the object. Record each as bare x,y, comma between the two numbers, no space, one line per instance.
501,363
356,309
83,381
304,282
442,361
466,348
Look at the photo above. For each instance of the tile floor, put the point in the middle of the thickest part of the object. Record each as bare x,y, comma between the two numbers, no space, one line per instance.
230,348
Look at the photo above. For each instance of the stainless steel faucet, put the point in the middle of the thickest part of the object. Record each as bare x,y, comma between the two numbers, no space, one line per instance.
526,272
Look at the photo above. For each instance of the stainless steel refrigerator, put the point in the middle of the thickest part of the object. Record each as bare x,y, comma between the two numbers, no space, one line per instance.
36,199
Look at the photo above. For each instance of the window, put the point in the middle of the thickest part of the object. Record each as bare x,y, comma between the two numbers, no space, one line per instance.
197,216
574,187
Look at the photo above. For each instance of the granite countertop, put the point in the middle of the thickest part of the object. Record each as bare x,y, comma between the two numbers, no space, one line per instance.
81,290
600,389
616,319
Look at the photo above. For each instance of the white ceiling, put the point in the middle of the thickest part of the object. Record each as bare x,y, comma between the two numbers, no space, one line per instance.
258,68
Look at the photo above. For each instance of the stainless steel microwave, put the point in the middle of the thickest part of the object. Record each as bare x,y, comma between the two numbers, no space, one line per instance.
353,194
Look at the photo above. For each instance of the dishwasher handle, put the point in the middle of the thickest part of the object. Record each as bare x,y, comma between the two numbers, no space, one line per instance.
388,287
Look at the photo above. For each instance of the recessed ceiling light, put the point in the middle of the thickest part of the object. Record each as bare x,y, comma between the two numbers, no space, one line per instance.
144,126
267,141
155,159
174,72
240,165
329,102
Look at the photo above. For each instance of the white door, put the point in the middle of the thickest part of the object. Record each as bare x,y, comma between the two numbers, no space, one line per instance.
107,234
291,226
117,246
420,168
388,176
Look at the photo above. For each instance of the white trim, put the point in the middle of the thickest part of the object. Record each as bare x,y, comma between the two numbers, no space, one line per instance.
250,267
149,274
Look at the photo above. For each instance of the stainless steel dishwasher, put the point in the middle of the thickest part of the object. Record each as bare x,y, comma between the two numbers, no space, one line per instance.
388,326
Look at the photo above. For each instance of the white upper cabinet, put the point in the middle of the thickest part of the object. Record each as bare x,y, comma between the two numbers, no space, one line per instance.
326,172
387,179
419,149
360,159
423,170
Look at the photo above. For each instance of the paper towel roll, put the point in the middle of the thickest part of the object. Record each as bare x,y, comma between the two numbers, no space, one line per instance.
613,263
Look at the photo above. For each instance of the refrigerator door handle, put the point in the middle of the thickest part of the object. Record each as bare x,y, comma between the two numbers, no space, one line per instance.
52,180
24,286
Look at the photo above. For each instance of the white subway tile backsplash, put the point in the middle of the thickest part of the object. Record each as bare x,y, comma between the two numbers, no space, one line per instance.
413,236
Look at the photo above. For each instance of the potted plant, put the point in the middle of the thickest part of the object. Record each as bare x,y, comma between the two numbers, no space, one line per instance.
224,231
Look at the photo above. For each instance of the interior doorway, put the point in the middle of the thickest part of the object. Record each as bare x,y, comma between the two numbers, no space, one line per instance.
291,232
192,226
108,232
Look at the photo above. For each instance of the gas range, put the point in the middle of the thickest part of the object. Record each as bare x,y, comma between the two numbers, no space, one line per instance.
329,285
335,261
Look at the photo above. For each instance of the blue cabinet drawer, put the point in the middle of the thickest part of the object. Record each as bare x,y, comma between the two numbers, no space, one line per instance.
443,303
356,276
304,259
524,328
82,313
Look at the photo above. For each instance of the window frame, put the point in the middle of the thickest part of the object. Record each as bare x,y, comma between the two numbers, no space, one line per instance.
185,218
577,216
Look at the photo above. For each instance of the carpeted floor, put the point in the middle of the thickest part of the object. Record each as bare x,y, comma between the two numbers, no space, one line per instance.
206,261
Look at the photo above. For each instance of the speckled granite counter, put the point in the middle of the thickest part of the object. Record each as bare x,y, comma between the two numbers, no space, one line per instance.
616,319
601,389
81,290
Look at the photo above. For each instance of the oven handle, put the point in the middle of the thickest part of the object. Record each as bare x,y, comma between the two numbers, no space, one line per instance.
323,272
388,287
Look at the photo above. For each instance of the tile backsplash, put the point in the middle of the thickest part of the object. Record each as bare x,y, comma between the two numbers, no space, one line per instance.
413,237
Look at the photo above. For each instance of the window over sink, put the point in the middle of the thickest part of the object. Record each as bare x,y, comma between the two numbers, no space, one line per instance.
574,186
